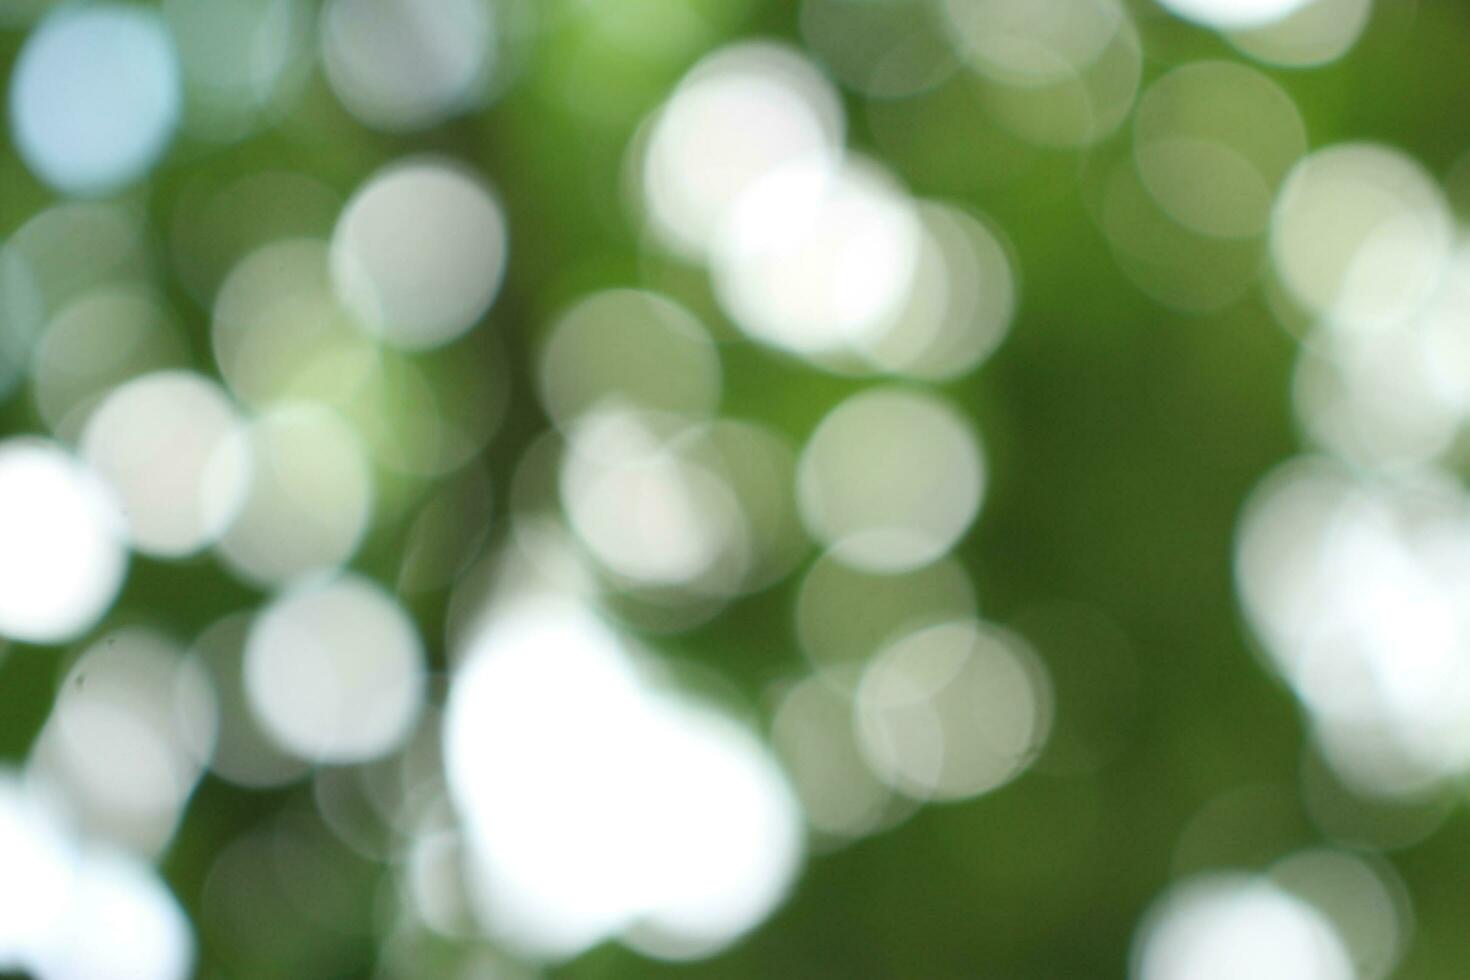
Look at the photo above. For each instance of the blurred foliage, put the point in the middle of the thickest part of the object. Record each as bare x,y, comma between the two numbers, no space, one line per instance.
1121,439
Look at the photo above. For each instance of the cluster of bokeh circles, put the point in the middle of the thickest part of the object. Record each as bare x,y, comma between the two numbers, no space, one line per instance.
278,377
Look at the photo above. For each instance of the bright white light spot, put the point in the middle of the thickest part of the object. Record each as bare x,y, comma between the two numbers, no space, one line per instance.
335,671
94,98
120,923
953,711
596,805
737,116
1233,14
1231,926
419,253
632,347
39,868
1361,235
407,64
891,479
818,256
1354,587
172,447
309,497
61,557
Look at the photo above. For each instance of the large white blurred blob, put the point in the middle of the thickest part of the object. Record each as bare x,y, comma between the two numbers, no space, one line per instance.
419,253
335,671
407,64
819,256
646,510
738,115
631,346
308,499
1354,588
39,864
127,739
891,479
120,923
953,711
1233,14
1361,235
94,98
1231,926
597,806
172,447
62,559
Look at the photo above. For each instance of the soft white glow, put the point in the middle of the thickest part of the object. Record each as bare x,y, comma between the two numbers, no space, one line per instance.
1361,235
173,449
645,510
39,873
1364,901
335,671
737,116
94,97
891,479
1233,14
815,733
596,805
120,923
1354,587
952,711
308,500
419,253
960,302
407,64
127,739
818,256
62,561
1229,926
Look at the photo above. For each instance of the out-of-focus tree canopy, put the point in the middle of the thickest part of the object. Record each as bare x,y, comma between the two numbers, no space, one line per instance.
625,488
